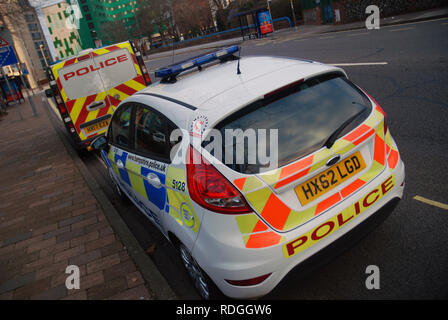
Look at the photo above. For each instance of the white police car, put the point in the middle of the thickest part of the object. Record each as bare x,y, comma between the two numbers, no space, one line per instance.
250,166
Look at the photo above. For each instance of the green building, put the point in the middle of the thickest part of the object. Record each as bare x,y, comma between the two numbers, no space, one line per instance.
108,20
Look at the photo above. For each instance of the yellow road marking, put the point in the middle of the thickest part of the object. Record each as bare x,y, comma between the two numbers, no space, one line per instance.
431,202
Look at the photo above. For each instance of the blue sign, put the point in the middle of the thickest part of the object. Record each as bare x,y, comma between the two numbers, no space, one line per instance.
7,56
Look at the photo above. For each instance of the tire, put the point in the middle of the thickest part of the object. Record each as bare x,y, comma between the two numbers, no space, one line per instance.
204,286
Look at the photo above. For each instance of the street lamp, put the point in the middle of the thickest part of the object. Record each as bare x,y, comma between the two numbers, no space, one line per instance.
41,47
293,14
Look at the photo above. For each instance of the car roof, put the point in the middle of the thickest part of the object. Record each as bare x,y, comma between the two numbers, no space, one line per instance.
218,90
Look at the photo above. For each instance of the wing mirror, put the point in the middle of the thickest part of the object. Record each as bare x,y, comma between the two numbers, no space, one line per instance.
49,93
99,143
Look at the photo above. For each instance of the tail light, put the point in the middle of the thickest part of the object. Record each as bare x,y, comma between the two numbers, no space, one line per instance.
210,189
144,70
147,79
62,109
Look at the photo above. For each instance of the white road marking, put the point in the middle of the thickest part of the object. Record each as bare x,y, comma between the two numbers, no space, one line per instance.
432,202
402,29
358,64
330,37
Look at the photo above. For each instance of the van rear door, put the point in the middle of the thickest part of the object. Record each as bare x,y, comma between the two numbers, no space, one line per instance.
123,75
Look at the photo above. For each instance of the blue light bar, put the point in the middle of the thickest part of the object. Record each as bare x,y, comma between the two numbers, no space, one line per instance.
175,69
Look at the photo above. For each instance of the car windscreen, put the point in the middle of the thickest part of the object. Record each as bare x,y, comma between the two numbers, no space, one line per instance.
302,115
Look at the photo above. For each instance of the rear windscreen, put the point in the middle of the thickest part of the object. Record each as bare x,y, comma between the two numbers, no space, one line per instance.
120,71
303,116
97,74
78,80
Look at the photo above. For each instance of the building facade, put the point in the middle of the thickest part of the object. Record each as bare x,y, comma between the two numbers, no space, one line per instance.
102,15
63,31
20,18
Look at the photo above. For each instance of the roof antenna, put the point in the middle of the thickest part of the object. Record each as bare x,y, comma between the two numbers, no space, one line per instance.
238,71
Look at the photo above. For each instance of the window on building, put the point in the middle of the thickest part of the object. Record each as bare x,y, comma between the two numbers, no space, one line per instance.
29,17
36,35
88,17
37,44
32,27
90,25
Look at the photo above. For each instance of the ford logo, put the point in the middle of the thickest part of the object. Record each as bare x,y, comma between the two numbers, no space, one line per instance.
333,160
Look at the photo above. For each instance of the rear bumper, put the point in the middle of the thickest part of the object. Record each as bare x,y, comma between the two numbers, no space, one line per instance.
223,260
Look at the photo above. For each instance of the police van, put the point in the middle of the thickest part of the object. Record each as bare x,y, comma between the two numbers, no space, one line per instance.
87,88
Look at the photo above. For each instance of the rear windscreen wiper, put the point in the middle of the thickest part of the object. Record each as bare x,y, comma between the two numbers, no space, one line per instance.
334,136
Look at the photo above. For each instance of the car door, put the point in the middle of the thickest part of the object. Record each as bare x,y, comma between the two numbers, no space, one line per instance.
148,162
120,139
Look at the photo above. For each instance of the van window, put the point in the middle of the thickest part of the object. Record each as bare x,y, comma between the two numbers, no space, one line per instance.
78,80
118,67
97,74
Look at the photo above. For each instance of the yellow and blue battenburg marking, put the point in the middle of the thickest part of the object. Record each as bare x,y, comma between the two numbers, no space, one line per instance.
180,207
172,197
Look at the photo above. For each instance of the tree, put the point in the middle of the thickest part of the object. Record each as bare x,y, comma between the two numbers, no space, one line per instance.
155,16
114,31
192,16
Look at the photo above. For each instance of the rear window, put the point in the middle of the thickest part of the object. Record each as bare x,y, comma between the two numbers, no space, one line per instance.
78,80
305,115
97,74
121,71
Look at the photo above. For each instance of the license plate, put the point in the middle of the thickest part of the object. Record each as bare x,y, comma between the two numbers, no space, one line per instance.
330,178
96,127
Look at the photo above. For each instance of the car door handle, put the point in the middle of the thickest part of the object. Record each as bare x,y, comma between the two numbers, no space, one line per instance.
154,180
120,164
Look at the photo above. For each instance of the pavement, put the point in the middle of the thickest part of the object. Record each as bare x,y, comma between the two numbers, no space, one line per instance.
303,31
52,216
